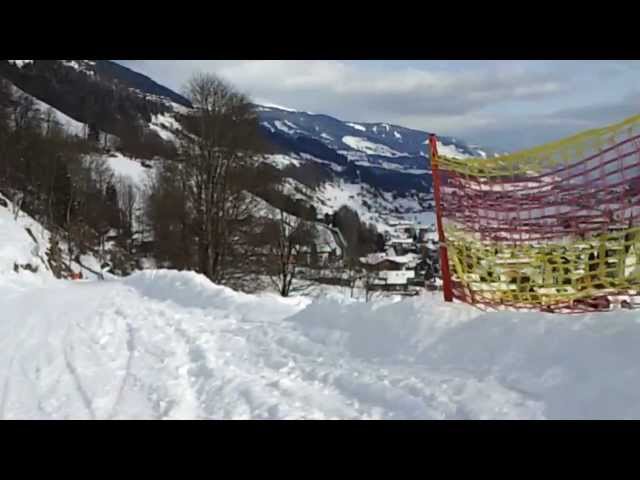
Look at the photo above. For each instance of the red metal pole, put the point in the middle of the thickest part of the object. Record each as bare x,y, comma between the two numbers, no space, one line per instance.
444,257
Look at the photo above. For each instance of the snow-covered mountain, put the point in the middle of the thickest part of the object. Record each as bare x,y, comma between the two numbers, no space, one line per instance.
382,171
379,169
373,144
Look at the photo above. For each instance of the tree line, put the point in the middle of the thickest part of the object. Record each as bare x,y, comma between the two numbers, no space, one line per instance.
203,209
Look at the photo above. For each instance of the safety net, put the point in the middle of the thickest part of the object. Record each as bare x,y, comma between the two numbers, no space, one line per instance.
554,228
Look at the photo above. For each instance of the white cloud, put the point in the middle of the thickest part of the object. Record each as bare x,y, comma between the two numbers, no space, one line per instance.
391,91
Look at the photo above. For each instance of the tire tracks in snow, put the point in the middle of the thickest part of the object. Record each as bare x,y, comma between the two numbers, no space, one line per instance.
6,385
130,349
86,400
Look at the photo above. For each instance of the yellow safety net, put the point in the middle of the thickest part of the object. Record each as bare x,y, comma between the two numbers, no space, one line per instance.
556,227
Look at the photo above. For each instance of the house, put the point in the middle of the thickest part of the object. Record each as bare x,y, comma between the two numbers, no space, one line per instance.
427,235
390,272
403,246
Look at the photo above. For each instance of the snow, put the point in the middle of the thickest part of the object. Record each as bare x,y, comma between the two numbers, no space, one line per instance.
375,258
282,161
395,277
164,125
357,127
164,134
277,107
295,189
285,127
171,345
20,63
70,125
392,166
397,135
16,245
164,344
451,151
365,146
373,206
331,165
81,67
127,167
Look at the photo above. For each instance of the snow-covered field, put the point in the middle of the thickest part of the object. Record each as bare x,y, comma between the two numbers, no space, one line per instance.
166,344
163,344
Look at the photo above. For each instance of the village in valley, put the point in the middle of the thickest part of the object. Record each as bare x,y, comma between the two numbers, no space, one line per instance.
406,265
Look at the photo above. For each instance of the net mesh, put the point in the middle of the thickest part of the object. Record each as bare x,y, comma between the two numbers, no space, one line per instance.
556,227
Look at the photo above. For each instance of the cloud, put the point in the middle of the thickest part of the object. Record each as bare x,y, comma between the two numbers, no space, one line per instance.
391,92
347,86
628,106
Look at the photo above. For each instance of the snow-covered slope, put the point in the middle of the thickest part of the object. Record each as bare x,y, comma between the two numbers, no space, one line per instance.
375,139
71,126
366,146
24,243
167,344
17,246
133,170
385,168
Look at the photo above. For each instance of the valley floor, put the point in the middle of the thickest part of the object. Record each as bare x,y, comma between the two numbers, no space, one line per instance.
170,345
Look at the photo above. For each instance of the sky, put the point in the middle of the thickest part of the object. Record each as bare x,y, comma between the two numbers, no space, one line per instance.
502,104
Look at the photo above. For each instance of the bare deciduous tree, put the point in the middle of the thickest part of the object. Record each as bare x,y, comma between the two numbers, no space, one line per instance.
127,200
288,240
218,152
25,113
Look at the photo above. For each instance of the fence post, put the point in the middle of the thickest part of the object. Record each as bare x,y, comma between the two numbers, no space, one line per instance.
444,257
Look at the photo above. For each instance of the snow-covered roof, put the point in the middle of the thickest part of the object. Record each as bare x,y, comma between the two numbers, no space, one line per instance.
403,241
376,258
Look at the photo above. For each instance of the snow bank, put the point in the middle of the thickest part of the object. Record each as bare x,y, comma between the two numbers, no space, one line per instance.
389,327
570,367
16,245
193,290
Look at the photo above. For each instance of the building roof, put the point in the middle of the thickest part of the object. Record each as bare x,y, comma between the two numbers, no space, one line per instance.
376,258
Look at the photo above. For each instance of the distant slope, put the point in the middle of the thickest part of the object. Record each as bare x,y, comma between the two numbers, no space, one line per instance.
385,168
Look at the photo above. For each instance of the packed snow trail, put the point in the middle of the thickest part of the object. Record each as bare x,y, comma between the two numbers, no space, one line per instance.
171,345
